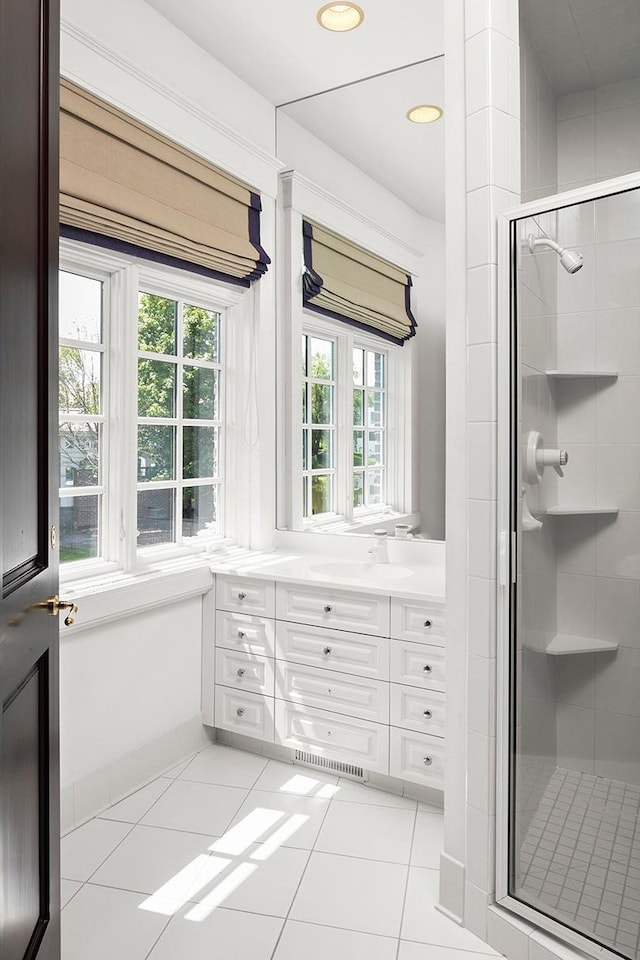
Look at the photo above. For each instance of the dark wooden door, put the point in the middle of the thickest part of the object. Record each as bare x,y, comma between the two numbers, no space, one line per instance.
29,788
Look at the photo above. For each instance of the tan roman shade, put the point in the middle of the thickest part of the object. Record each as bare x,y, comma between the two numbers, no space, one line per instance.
125,185
348,283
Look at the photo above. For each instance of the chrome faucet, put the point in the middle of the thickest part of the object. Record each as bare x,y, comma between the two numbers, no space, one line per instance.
378,550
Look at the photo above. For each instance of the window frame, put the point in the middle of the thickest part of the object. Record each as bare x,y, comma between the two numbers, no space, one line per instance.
398,426
123,278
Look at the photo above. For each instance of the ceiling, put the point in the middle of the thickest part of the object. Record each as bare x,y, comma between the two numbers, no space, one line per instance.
280,51
584,43
366,123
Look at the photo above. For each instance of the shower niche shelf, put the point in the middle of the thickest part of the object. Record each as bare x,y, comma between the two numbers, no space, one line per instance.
564,644
582,374
569,511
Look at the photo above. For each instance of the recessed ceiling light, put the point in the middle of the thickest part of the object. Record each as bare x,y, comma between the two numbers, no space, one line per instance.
424,113
340,17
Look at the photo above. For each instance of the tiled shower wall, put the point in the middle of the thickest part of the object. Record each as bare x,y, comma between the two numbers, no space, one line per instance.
598,711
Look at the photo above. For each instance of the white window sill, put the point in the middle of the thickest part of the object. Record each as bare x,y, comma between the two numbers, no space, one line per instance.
104,594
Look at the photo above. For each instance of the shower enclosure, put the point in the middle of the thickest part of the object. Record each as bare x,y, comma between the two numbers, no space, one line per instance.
569,592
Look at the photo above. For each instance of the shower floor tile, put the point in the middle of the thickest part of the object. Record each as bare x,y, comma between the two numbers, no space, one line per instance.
580,858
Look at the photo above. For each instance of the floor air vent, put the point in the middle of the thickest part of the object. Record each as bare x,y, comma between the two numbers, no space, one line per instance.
336,766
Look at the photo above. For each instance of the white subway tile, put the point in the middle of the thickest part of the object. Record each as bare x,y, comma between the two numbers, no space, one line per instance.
617,686
508,934
576,606
477,72
618,611
576,342
578,104
481,696
481,599
617,739
575,737
480,228
618,217
617,137
481,771
618,412
481,304
481,382
620,94
618,340
576,547
478,143
480,849
618,475
576,149
481,460
617,274
618,547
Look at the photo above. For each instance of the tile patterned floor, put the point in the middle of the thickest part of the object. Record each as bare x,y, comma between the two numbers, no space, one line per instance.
233,855
581,858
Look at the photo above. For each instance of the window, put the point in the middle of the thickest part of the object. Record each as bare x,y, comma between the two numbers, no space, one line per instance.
179,419
356,426
81,403
142,391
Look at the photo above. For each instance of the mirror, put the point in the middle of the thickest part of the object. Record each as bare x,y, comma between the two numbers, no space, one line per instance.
356,143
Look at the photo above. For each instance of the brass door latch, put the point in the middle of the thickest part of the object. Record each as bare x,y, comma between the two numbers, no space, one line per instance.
54,605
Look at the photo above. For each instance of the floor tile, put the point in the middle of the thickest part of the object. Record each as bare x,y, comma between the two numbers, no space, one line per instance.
83,850
362,895
179,767
350,792
259,885
423,923
425,951
301,781
168,863
313,942
68,888
133,807
225,766
227,934
298,818
101,924
196,807
363,830
428,840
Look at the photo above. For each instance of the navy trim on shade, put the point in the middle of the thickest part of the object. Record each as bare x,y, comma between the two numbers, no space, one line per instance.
122,246
312,284
254,234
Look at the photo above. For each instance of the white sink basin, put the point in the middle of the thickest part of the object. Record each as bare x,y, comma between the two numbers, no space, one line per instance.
365,572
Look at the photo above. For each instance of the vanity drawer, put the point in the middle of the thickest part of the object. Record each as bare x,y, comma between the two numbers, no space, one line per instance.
246,713
418,710
357,742
237,631
421,622
417,664
245,671
335,649
244,595
324,606
417,757
329,690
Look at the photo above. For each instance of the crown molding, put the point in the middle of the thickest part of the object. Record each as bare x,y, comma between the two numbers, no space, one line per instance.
184,103
293,182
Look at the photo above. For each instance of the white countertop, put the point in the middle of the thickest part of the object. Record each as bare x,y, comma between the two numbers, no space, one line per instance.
409,581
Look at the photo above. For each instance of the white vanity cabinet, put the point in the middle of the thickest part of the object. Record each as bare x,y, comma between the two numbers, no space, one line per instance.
350,676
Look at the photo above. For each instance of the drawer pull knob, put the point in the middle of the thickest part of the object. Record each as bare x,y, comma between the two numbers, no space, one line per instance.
242,634
327,651
242,595
427,761
427,668
428,624
241,671
428,714
327,608
240,712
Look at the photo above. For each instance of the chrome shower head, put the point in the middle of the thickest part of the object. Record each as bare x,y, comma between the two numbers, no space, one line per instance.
570,260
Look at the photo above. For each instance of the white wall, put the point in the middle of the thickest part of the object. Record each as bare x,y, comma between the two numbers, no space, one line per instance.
539,154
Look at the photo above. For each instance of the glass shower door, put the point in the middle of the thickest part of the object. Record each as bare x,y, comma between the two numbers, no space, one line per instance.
574,660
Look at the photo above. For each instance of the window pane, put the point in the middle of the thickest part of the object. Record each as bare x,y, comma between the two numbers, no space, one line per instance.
358,448
155,517
200,333
200,393
358,489
79,454
358,407
198,510
321,359
156,453
79,381
305,450
374,447
156,324
358,366
374,483
156,388
80,311
321,403
320,494
305,412
305,496
79,521
199,452
320,449
375,369
305,341
375,408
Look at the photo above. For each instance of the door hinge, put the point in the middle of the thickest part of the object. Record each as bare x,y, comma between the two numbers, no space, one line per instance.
53,536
